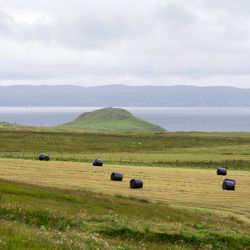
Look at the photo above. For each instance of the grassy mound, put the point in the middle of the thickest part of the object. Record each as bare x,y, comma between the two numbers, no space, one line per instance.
112,119
8,126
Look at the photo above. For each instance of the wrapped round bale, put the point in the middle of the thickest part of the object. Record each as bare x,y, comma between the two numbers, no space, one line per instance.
221,171
228,184
116,176
136,183
229,179
43,157
97,162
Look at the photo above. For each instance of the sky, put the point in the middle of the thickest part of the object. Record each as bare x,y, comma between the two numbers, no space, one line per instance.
142,42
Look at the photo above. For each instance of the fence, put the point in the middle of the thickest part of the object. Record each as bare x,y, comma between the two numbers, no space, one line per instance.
126,159
77,157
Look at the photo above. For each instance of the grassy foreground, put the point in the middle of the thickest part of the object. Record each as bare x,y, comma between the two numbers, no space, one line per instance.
196,150
33,217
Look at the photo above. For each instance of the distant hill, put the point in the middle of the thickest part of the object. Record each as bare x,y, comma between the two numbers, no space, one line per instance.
124,96
8,126
112,119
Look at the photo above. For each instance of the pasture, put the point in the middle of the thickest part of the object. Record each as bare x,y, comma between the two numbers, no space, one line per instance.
192,150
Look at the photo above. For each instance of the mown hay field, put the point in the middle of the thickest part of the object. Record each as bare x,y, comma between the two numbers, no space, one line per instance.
177,187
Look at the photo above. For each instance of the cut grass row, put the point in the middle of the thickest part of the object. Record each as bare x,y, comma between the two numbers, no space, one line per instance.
47,218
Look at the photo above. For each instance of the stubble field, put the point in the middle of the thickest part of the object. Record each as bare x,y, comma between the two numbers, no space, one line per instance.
177,187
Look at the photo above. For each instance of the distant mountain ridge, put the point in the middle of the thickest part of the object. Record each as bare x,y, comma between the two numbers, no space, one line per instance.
112,120
124,96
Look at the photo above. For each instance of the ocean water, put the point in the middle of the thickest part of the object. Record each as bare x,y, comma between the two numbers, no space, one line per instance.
207,119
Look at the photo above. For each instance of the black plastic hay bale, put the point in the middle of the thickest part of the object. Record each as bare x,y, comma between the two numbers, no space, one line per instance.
136,183
97,162
43,157
229,179
228,184
116,176
221,171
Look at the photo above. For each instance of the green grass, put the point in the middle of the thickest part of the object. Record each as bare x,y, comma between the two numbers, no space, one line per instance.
195,150
112,119
41,218
32,217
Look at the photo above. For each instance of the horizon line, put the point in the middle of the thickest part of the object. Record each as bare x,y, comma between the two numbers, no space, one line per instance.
125,85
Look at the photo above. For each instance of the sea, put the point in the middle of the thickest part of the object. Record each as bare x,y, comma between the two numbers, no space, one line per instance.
206,119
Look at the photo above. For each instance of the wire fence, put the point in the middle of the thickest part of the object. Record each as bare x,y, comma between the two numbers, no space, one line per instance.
126,159
77,157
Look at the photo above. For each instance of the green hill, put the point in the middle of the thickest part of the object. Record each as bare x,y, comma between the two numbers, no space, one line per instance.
112,119
6,126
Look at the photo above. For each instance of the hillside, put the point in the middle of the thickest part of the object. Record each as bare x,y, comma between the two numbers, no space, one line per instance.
124,96
7,126
112,119
43,217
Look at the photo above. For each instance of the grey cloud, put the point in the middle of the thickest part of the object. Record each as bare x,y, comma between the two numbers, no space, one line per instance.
93,31
86,31
6,24
144,40
230,6
175,16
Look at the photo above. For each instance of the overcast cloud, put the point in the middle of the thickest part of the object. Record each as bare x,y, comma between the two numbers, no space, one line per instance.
96,42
